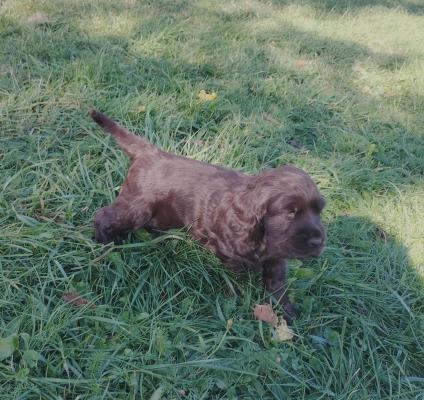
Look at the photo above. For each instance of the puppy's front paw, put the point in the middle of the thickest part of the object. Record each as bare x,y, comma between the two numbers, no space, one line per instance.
102,226
290,312
100,236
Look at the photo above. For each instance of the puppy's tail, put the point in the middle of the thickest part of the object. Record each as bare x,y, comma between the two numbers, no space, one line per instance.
131,144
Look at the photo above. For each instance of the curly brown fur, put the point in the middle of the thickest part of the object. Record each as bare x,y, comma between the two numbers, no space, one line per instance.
249,222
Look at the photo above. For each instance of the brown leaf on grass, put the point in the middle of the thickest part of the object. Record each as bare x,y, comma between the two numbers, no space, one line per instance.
38,18
376,91
301,64
74,299
359,68
264,312
281,332
367,90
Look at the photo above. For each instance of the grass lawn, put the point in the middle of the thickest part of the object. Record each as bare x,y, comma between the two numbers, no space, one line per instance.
333,86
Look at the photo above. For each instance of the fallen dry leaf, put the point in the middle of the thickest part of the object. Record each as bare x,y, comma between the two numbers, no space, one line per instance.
206,96
282,332
264,312
75,299
366,90
359,68
38,18
301,64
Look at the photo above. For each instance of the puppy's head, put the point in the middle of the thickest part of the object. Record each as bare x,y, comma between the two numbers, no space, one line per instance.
288,209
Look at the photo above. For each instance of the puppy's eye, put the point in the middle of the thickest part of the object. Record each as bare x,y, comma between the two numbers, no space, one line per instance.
292,212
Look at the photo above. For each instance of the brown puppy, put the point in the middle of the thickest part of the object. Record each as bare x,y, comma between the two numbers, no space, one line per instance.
250,222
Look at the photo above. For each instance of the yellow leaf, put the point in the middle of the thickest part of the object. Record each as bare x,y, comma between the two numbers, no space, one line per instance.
282,332
207,96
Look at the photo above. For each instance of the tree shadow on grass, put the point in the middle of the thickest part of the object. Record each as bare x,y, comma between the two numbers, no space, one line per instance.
309,112
308,115
337,53
342,6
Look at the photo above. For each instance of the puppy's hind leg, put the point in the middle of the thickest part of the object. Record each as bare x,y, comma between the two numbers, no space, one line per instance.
111,223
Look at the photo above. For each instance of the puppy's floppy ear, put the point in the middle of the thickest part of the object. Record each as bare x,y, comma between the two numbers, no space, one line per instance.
257,197
260,194
243,223
245,217
258,230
